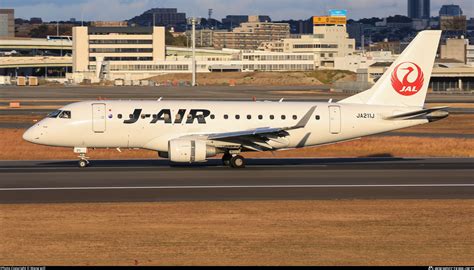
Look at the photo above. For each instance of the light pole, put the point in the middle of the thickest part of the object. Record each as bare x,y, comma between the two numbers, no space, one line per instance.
193,21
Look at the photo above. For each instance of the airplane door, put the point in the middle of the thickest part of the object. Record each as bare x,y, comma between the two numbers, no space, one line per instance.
335,119
98,118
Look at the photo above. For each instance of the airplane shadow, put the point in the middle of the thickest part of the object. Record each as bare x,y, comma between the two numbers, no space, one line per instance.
218,162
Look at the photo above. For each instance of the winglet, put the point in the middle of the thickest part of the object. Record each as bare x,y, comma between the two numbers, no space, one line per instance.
305,120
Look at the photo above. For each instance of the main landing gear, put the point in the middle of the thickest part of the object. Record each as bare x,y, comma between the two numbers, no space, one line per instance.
233,161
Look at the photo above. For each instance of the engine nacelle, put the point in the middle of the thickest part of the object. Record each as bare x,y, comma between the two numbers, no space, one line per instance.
190,151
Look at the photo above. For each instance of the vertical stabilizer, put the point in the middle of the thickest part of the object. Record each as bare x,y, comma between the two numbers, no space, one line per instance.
406,82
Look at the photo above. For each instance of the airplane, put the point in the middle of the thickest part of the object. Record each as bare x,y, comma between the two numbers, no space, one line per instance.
194,131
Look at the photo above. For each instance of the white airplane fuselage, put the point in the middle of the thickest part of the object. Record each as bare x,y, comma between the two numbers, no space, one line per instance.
96,124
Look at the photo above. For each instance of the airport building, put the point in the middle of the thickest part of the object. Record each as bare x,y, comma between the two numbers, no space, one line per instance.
329,41
7,23
136,53
250,35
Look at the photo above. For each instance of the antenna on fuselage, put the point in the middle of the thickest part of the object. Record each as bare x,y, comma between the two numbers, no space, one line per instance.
160,99
330,101
281,100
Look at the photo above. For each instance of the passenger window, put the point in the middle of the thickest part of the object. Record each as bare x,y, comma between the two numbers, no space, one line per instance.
283,117
237,117
318,117
249,117
213,117
226,117
119,116
260,117
65,115
272,117
143,116
295,117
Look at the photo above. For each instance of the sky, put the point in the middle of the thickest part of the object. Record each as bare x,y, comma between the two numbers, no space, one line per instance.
110,10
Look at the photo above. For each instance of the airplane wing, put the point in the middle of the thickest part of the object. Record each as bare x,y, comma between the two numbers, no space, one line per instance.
257,139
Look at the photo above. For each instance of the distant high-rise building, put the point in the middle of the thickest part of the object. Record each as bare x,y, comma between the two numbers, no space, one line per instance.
450,10
233,21
419,9
169,17
250,35
36,20
7,23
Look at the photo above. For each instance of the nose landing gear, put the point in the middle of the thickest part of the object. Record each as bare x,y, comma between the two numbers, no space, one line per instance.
83,163
83,159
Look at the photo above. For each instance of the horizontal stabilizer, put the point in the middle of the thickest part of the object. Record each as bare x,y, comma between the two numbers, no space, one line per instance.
435,113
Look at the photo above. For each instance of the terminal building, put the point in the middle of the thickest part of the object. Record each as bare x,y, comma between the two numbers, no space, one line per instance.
136,53
328,42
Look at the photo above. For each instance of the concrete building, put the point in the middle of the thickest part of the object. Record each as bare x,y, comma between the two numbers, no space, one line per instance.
136,53
7,23
329,41
109,24
419,9
454,49
470,55
363,60
204,37
232,21
96,49
249,36
453,26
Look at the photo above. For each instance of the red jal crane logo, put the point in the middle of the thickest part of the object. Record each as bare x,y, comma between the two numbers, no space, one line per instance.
411,83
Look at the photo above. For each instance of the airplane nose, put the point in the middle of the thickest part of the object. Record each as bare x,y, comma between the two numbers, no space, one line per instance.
31,135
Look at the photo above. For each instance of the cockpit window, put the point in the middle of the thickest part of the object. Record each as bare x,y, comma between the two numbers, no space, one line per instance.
54,114
65,115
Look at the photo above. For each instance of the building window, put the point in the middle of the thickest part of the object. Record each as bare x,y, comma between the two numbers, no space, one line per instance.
118,41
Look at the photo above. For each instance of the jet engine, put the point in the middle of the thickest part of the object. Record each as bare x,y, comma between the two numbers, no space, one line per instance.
190,151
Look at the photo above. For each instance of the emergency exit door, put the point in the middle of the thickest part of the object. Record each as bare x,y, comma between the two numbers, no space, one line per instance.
98,118
335,123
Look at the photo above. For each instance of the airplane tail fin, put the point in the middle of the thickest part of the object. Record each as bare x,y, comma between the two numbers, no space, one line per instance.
406,82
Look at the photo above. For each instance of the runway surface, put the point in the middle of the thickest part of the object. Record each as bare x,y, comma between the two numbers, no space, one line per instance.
264,179
58,96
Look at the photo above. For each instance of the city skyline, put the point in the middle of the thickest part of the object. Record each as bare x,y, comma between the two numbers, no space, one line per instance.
277,9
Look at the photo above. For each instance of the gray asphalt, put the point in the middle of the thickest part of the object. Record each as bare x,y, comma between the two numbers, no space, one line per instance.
62,95
264,179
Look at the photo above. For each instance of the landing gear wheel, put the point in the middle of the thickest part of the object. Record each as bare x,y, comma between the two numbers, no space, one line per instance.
237,162
83,163
226,160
